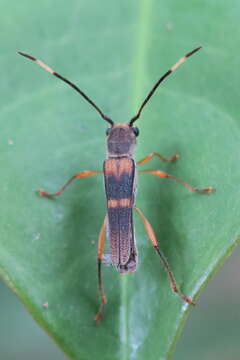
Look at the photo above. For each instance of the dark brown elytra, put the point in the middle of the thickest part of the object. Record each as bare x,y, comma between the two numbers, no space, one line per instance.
119,171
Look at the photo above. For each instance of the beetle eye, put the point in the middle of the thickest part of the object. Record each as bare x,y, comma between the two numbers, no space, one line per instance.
108,131
136,131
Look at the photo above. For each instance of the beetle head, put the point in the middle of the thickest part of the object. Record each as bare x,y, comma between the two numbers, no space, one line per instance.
121,140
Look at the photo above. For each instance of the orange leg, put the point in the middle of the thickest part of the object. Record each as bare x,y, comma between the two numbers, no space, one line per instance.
101,241
81,174
163,174
149,157
152,237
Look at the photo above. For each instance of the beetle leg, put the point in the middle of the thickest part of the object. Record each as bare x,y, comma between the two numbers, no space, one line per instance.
81,174
101,241
163,174
152,237
149,157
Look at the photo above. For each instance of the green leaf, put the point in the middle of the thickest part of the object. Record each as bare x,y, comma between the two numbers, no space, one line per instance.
115,52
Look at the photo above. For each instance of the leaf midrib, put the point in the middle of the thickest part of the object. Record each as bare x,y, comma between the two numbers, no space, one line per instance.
138,71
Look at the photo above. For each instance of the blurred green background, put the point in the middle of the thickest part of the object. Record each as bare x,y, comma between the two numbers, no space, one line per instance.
102,42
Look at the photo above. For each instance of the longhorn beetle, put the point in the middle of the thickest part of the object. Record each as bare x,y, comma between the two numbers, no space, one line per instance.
120,186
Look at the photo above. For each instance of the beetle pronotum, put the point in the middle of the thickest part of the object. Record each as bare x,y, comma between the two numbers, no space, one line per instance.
120,185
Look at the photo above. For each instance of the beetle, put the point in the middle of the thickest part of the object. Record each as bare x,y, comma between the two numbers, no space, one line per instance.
119,171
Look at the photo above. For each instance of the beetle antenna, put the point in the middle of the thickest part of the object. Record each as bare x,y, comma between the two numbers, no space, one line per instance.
75,87
173,68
